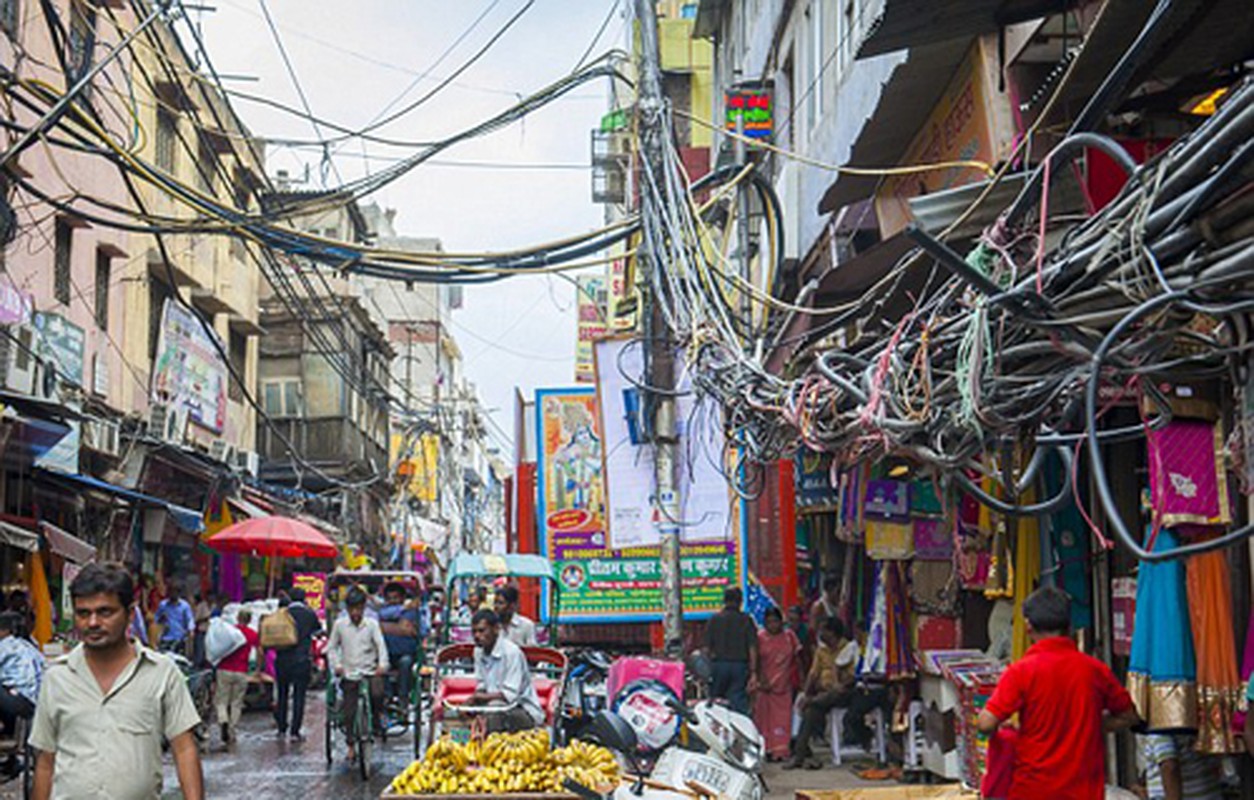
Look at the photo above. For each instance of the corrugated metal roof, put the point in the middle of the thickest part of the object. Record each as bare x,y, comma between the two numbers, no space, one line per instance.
906,100
909,23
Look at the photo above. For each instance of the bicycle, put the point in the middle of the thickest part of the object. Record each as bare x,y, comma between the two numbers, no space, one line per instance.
361,736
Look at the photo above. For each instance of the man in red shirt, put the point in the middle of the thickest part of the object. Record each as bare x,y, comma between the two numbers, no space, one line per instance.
233,679
1065,701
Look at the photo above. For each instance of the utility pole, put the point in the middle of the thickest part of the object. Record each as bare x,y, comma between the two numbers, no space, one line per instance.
652,109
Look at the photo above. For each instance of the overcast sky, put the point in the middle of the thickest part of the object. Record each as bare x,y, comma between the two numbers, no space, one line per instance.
354,58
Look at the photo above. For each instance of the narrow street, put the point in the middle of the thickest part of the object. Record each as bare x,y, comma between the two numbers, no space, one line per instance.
263,767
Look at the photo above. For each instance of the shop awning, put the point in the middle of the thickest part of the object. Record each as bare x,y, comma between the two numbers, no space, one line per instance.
909,23
18,537
907,97
185,518
247,509
67,545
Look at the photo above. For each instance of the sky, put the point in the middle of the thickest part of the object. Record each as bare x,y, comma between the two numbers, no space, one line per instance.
350,66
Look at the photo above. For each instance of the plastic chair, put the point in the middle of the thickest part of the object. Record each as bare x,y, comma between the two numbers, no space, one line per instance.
879,736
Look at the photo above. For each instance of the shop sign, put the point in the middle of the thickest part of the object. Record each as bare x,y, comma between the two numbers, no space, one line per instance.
16,306
315,586
61,345
612,572
815,491
749,110
188,371
1123,614
592,303
972,121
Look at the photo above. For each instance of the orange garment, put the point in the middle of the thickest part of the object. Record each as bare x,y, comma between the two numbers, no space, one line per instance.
1219,687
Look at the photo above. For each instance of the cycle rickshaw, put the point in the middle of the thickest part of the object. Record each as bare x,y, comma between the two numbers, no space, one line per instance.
452,670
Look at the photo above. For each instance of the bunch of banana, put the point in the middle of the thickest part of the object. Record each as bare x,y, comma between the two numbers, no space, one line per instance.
526,747
595,760
446,752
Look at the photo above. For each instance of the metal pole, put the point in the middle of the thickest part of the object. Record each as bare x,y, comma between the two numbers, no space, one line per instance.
652,106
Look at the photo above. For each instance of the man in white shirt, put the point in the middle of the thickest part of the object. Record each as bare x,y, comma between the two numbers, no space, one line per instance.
517,628
502,677
356,652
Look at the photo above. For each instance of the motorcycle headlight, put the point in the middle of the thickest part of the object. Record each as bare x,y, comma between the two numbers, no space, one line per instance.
746,752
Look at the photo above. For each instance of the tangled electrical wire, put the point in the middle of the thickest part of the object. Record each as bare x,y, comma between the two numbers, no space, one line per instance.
1013,349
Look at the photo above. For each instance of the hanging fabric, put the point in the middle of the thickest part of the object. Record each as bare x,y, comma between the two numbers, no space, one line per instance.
1162,670
1219,686
889,540
1026,573
40,598
1188,483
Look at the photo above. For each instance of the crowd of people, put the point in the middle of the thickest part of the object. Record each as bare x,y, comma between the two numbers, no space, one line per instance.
778,674
1045,721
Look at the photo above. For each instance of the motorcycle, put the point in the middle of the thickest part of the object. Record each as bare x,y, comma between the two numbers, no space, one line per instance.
585,692
723,758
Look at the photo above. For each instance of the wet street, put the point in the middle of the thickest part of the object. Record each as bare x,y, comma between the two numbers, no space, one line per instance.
262,767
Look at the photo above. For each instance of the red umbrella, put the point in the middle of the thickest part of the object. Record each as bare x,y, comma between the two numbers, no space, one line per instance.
275,537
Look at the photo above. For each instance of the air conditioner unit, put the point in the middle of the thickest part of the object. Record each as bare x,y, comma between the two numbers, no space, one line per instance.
102,435
222,450
47,381
17,361
248,461
167,423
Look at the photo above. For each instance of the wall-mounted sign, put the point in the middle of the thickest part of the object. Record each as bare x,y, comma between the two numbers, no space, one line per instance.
188,371
751,107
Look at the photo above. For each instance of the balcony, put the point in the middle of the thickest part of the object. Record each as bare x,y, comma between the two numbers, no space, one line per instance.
334,444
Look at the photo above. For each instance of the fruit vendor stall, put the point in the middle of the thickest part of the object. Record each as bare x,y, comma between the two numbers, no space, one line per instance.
523,765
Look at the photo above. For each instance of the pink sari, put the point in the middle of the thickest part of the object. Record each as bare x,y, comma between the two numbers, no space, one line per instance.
779,666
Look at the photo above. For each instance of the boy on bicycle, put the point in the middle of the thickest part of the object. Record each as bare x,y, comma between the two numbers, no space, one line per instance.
357,654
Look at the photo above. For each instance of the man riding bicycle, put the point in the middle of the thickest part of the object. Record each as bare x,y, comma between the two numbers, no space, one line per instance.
357,654
402,626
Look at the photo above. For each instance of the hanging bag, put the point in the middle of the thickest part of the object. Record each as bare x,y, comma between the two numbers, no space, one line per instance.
278,630
221,639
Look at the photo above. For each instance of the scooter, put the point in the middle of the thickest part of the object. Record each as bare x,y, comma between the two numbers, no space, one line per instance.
723,759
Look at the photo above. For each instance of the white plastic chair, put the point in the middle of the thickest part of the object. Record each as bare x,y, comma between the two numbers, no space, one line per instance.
879,736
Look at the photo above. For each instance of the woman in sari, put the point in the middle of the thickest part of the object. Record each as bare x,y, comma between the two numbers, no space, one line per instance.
779,666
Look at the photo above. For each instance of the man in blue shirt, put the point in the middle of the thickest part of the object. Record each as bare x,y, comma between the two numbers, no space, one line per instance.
175,615
402,627
21,670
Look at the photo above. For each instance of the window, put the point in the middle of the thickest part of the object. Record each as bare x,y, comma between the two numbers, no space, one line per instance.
206,161
62,261
814,63
238,349
281,397
104,269
81,42
847,34
167,133
10,14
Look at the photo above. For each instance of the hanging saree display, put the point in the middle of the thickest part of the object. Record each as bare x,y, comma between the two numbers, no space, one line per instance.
1026,572
1162,670
887,651
1219,687
1186,474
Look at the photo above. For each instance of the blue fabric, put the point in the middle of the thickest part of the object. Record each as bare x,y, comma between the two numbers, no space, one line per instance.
1162,635
401,645
21,666
177,618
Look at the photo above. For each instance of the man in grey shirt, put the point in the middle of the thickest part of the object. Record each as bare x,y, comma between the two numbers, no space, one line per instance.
104,708
503,680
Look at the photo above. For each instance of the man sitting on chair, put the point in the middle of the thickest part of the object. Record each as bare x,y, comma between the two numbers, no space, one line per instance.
502,678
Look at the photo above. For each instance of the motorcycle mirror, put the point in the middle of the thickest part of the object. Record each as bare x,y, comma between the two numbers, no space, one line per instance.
613,731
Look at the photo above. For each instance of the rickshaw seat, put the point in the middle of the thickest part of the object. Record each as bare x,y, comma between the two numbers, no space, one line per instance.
456,690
